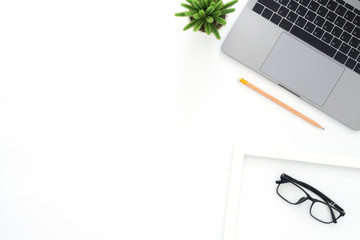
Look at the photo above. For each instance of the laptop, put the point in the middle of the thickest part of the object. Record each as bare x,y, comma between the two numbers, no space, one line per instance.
309,47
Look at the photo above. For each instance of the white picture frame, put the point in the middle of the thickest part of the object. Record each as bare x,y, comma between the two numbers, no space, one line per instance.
239,155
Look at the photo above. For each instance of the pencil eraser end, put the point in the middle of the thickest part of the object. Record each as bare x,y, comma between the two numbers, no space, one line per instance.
243,81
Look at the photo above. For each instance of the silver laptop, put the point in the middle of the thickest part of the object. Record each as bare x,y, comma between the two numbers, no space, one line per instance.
309,47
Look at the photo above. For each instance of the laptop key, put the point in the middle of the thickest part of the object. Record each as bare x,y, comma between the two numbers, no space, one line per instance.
293,5
349,27
345,37
283,11
300,22
328,26
319,21
349,15
332,5
309,27
327,37
318,32
354,53
341,2
348,6
340,57
350,63
313,6
357,68
354,42
344,48
322,11
304,2
275,18
291,17
301,10
285,24
323,2
313,41
356,32
258,8
272,5
336,32
310,16
267,13
336,43
356,21
284,2
331,16
340,10
340,21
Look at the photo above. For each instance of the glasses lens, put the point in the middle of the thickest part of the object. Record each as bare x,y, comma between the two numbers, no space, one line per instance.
291,193
322,212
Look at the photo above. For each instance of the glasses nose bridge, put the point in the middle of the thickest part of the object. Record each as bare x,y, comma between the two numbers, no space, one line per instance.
304,189
303,199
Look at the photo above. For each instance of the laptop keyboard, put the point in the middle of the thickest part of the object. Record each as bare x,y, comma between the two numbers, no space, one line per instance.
332,27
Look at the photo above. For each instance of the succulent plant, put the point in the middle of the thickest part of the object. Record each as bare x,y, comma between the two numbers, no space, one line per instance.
206,15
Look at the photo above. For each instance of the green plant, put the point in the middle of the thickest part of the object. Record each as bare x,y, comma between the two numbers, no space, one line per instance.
206,15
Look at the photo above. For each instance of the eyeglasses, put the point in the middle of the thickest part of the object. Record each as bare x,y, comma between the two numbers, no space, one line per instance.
291,190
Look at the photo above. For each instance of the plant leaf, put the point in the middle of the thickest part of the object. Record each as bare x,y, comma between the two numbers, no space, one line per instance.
196,16
226,11
209,10
216,14
215,31
197,5
189,14
189,7
202,13
209,19
206,3
207,28
198,25
229,4
220,20
180,14
217,6
191,24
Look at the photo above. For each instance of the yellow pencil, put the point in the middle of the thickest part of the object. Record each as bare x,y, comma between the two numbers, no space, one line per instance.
281,103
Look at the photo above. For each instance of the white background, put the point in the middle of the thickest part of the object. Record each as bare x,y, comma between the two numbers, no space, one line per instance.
116,124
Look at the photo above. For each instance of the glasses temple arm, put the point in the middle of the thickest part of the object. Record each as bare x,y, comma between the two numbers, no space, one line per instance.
323,196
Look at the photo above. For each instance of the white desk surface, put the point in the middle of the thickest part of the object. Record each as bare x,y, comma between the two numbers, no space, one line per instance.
116,124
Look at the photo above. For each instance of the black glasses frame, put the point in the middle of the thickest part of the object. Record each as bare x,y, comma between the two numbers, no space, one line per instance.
284,178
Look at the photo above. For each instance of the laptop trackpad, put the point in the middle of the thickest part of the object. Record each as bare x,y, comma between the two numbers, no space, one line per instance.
302,69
